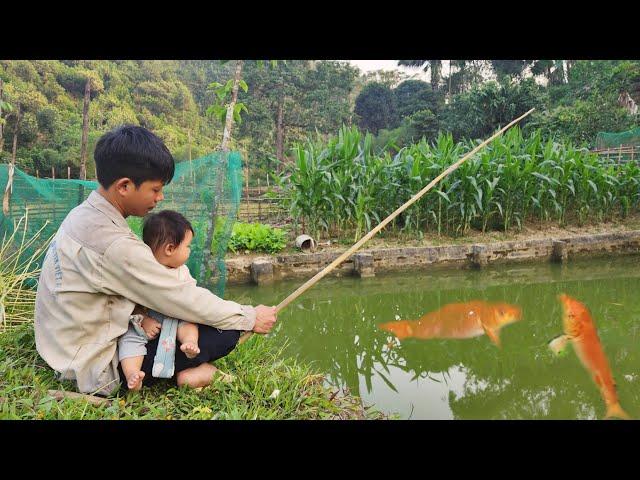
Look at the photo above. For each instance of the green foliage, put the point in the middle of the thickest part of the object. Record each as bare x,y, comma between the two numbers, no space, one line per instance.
257,237
266,386
477,113
376,108
414,95
344,184
147,93
218,109
581,122
424,123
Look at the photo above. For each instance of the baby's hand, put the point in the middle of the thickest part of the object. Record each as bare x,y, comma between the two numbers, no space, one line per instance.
151,327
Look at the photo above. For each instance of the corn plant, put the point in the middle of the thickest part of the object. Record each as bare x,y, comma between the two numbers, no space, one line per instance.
343,185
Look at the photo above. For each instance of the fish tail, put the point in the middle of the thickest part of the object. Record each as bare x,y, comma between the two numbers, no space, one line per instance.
616,411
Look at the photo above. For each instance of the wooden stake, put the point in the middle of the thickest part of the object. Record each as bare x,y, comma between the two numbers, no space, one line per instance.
312,281
92,399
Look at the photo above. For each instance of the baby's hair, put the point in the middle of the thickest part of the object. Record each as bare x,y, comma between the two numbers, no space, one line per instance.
163,228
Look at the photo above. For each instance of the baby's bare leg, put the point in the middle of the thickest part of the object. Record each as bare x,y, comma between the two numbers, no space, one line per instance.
188,337
131,367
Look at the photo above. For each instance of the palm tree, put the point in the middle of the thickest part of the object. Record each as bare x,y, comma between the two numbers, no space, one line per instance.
435,66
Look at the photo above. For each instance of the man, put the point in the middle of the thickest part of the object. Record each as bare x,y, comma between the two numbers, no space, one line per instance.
96,270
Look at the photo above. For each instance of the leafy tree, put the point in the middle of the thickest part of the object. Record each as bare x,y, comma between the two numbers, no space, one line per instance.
432,66
477,113
415,95
376,108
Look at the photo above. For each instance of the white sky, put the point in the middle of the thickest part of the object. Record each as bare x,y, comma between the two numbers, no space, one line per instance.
372,65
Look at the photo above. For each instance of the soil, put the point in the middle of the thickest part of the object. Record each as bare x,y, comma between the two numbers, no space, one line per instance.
530,232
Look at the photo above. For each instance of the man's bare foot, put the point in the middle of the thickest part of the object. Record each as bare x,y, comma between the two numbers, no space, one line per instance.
134,382
190,350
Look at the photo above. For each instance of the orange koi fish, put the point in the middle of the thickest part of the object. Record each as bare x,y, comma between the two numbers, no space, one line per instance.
458,320
580,330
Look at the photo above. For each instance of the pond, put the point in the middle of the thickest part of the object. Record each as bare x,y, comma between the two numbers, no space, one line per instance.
334,326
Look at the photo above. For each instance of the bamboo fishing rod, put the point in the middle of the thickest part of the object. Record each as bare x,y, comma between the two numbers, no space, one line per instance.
316,278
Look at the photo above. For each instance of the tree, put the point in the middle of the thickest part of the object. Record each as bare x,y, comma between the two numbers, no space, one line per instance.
376,108
509,69
423,123
552,70
27,100
292,100
478,112
463,74
432,66
233,110
92,82
415,95
6,108
85,83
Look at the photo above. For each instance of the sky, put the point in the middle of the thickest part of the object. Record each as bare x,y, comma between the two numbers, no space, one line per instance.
371,65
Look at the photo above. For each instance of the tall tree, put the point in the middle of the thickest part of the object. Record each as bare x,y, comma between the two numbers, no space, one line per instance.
26,99
432,66
231,110
509,69
5,108
552,70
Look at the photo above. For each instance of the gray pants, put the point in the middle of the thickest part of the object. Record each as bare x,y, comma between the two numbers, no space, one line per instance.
134,342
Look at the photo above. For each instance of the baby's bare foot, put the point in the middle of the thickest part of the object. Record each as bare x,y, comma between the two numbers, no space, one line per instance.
191,350
134,382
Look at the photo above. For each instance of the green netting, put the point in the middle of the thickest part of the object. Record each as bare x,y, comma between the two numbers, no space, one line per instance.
622,139
201,189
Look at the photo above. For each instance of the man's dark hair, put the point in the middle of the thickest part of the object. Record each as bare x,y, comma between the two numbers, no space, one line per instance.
132,152
165,227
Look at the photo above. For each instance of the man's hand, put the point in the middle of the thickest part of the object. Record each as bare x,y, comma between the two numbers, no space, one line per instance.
265,319
151,327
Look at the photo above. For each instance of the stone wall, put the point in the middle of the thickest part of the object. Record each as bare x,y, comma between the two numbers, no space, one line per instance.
267,269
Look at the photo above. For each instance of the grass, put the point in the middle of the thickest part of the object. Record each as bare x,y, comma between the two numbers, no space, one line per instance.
267,386
259,369
19,270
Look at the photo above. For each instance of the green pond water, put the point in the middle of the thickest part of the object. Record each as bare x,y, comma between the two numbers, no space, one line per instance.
333,325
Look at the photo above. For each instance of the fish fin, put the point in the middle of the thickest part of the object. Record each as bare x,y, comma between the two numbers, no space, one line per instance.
494,335
558,345
616,411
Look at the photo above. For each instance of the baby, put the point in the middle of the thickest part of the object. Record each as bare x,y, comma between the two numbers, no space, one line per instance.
169,236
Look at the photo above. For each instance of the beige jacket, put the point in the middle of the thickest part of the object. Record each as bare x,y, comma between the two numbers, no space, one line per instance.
93,274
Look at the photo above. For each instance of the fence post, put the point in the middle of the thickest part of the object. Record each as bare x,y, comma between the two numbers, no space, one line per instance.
247,194
259,203
80,194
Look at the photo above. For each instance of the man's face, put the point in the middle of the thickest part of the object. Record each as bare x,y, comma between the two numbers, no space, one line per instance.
140,201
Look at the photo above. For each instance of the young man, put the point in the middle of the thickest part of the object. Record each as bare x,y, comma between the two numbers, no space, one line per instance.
96,270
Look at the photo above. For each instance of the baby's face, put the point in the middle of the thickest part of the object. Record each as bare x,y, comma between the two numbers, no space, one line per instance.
180,255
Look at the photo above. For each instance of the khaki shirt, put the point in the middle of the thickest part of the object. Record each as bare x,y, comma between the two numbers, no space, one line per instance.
93,274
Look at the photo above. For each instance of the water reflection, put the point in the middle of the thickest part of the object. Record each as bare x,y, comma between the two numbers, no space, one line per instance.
334,326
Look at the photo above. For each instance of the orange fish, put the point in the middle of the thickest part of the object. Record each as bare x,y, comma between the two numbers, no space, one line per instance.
580,330
458,320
